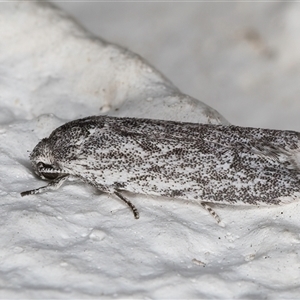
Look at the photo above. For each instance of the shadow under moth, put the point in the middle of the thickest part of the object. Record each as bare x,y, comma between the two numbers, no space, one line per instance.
202,163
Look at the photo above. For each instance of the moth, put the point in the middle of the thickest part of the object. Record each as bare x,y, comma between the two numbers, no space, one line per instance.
202,163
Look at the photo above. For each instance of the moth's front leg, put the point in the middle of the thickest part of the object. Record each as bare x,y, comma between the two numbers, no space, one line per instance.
53,185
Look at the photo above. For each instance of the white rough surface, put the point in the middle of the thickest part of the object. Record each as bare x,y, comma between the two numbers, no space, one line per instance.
77,243
52,65
241,58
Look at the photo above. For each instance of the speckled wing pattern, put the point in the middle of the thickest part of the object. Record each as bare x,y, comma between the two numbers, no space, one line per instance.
197,162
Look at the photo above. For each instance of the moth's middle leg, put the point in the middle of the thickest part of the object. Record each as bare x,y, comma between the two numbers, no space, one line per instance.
133,208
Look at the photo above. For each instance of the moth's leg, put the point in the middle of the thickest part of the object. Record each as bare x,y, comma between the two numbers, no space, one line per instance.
133,208
53,185
211,211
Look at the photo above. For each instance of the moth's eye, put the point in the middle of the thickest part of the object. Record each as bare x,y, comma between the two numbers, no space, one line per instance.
43,168
50,175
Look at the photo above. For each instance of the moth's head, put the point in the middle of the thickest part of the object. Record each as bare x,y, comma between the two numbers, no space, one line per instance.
43,161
